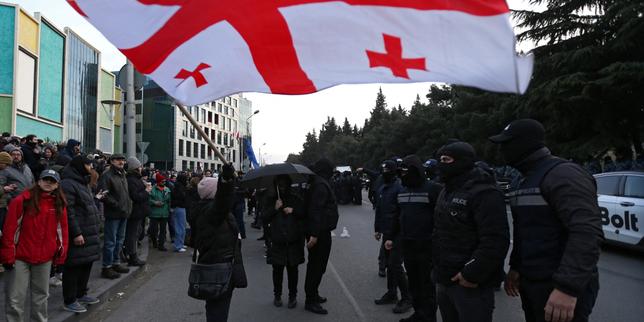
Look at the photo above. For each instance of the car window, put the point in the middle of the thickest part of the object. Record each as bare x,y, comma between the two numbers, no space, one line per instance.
634,187
608,185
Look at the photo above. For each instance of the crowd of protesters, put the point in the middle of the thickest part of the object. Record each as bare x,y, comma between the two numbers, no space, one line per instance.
61,210
442,226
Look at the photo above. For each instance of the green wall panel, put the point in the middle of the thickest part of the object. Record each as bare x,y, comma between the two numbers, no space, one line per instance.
118,145
50,96
106,93
25,126
7,40
6,111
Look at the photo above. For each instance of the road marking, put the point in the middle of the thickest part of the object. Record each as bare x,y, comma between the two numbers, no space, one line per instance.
346,292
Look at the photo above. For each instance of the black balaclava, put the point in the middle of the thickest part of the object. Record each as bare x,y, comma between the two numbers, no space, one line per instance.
520,139
388,170
283,183
464,156
78,163
324,168
415,175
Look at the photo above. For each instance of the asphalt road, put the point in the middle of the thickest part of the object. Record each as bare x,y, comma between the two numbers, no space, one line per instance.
351,284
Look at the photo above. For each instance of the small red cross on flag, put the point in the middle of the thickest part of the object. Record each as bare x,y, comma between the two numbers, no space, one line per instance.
196,74
302,46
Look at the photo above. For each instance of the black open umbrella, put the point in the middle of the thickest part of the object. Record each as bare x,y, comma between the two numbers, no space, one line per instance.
263,177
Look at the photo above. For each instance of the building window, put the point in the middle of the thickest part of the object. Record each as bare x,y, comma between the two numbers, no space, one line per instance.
210,153
219,107
234,125
227,101
138,109
181,147
226,110
184,165
26,83
209,117
234,102
196,149
219,138
216,118
234,155
229,125
203,151
226,139
192,132
192,165
184,129
188,145
138,128
212,135
203,116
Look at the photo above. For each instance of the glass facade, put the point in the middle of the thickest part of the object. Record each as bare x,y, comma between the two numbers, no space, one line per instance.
82,90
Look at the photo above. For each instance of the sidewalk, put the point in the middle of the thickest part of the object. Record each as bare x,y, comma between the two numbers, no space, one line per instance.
98,287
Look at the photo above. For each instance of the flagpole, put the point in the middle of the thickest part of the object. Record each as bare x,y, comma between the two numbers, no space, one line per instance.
201,132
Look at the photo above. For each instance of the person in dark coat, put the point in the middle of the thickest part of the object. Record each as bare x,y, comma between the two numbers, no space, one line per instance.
357,189
72,148
83,227
216,233
239,205
322,218
413,226
557,229
386,202
140,195
117,204
31,153
285,213
471,237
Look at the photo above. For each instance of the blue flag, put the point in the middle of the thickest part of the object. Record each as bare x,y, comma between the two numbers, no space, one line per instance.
250,153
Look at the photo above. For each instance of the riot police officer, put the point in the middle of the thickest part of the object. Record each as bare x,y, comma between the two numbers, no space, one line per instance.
557,229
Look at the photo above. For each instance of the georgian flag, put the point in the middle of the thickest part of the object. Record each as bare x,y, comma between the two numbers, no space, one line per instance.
201,50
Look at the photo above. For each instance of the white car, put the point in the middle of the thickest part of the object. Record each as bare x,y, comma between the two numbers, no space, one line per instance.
621,201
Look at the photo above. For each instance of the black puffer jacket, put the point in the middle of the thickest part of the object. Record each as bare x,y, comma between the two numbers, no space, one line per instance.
140,197
471,233
287,231
82,218
215,229
179,193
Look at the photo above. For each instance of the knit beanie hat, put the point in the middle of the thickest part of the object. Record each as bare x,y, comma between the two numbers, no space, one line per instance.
5,158
159,178
133,163
207,188
10,148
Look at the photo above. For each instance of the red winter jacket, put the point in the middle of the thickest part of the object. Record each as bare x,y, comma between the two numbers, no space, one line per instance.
39,241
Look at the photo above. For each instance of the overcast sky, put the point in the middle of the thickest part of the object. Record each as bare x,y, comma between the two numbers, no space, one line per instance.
283,120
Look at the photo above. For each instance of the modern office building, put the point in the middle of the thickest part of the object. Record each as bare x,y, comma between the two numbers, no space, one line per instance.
220,120
51,82
166,140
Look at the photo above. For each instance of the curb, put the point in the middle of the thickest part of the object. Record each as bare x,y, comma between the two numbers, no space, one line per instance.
107,290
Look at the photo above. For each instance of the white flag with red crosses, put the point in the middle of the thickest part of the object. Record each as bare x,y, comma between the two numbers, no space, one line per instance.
201,50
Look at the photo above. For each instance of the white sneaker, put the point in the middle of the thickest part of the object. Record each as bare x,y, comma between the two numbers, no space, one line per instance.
54,281
180,250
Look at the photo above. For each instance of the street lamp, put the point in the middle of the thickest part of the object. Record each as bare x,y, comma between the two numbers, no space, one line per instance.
109,106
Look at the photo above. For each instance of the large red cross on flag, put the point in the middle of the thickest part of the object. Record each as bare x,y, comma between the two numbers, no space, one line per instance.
200,50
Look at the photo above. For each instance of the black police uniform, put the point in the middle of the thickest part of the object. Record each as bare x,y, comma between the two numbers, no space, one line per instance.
471,236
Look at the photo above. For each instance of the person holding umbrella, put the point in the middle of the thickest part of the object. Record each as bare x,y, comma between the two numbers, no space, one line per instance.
284,211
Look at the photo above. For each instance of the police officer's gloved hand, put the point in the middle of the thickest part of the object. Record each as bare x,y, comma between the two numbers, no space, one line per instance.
227,172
